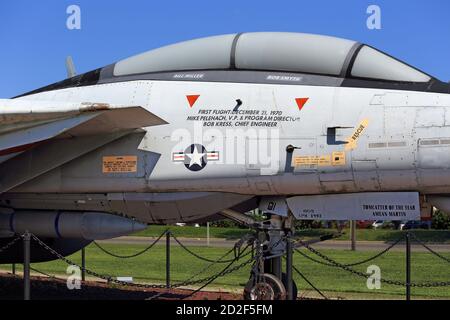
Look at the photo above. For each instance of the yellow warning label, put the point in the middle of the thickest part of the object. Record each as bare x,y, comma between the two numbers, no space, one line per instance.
306,161
338,158
119,164
351,141
312,161
325,160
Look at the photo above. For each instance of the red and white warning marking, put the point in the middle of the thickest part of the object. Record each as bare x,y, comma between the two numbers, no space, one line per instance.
181,157
178,157
212,156
192,99
301,102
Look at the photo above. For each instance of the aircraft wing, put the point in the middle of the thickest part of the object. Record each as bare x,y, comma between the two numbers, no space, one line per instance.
37,136
26,123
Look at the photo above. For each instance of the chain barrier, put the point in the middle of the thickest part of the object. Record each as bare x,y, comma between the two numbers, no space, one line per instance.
226,269
132,255
239,253
46,274
203,270
379,254
429,249
364,275
10,244
194,276
210,279
235,249
309,282
147,286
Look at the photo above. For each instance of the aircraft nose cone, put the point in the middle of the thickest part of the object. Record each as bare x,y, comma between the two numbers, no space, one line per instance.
98,226
138,226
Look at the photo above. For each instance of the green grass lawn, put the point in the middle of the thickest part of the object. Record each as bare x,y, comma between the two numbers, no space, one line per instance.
150,268
440,236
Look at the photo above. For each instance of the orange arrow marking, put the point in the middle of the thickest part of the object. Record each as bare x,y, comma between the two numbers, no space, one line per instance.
301,102
192,99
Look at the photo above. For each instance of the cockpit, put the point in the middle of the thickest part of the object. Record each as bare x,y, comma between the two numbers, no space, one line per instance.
274,51
265,57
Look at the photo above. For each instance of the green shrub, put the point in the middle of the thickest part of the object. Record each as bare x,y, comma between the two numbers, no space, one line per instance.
440,221
225,223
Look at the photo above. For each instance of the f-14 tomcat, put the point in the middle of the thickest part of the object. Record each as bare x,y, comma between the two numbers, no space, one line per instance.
297,125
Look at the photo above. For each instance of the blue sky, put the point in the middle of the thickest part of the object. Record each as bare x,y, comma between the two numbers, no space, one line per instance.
34,40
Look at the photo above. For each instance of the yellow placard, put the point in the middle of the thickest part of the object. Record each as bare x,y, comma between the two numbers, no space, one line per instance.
338,158
305,161
325,161
351,141
312,161
119,164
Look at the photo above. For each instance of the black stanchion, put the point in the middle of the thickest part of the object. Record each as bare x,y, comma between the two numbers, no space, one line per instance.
13,269
83,264
289,284
353,234
26,266
168,259
408,266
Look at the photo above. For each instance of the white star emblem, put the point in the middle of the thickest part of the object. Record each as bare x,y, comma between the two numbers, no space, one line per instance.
196,157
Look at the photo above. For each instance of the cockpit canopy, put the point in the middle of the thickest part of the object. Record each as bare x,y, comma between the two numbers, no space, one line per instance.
326,60
273,51
373,64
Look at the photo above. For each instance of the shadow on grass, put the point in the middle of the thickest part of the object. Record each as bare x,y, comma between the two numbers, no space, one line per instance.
11,288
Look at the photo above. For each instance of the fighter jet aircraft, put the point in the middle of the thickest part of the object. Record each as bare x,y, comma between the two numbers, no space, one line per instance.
298,125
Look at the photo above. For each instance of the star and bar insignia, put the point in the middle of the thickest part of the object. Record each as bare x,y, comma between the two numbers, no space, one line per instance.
195,157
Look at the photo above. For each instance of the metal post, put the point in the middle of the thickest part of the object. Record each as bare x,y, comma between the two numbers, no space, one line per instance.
276,267
275,235
83,264
353,234
207,234
168,259
408,266
13,269
26,266
289,284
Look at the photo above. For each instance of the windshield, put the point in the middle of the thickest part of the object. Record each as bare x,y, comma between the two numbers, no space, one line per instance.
373,64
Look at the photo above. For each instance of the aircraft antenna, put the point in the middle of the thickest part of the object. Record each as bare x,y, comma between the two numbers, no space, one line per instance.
70,67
